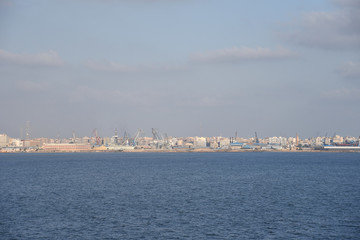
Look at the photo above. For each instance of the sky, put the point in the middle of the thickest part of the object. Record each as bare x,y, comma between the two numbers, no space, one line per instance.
185,67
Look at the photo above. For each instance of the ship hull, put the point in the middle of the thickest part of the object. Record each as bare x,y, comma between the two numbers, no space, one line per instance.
342,148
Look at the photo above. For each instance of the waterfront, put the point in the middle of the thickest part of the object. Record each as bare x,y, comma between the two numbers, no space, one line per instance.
163,143
180,196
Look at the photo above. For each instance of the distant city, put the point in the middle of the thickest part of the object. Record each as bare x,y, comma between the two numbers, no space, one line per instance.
162,142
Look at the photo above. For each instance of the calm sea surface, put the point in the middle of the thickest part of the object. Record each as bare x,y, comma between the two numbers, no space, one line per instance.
180,196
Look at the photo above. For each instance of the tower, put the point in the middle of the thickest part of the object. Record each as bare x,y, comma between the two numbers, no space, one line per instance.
116,136
27,130
22,133
297,139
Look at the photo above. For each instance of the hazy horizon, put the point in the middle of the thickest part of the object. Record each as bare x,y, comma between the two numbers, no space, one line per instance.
187,68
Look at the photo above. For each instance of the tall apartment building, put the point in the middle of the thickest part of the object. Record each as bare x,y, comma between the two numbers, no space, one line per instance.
4,139
200,142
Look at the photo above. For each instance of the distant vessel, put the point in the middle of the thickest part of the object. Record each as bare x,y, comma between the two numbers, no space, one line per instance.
342,147
120,147
346,144
350,146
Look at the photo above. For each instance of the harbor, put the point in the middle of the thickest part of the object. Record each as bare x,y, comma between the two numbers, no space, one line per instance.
161,142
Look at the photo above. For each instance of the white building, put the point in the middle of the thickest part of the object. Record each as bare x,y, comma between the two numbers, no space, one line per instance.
4,139
319,141
224,142
15,142
338,139
200,142
278,141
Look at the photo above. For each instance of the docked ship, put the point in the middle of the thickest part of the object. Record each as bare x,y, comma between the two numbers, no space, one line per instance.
343,146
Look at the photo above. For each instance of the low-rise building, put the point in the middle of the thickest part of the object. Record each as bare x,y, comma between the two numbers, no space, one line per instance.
66,147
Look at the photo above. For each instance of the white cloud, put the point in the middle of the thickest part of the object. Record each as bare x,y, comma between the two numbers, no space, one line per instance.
243,54
337,29
50,58
110,66
350,69
206,101
6,3
31,86
138,1
134,98
342,94
347,3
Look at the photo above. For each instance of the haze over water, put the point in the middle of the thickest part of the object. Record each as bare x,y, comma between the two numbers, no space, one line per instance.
180,196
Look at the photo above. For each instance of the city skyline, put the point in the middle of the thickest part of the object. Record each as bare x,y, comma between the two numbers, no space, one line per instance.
26,133
140,142
187,68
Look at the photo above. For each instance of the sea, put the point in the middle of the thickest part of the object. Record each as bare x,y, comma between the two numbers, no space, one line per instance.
180,196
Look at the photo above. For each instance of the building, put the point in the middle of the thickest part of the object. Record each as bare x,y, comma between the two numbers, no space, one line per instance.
4,139
224,142
179,143
15,142
319,141
200,142
338,139
66,147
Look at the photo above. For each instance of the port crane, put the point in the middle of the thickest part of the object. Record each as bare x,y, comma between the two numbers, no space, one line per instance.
156,135
256,138
159,140
96,136
139,133
167,142
126,139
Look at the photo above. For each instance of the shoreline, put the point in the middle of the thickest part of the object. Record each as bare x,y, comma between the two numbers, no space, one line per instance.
190,151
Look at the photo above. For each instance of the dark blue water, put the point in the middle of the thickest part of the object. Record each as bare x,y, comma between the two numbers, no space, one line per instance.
180,196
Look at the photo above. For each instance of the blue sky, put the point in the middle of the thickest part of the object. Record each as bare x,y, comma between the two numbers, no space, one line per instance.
186,67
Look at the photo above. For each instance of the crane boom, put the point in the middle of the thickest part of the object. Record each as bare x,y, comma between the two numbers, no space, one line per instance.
256,138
